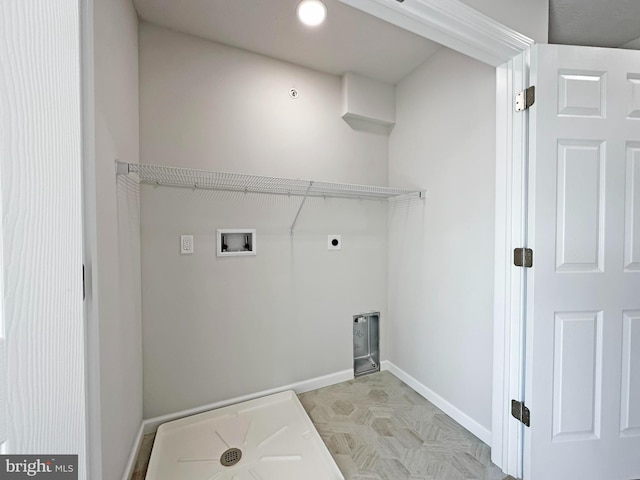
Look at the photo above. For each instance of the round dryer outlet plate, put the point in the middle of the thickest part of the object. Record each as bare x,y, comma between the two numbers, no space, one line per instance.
334,242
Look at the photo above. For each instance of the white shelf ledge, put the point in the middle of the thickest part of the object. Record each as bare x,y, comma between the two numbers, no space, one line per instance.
236,182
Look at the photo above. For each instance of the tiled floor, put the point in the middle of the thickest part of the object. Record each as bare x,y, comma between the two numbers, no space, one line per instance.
377,428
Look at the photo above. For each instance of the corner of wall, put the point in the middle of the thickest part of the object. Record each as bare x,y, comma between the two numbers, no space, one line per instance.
117,255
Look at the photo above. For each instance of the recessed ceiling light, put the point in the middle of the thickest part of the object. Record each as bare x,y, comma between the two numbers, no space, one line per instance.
311,12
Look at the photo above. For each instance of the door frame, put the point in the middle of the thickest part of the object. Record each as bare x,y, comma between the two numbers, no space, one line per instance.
93,412
511,203
462,28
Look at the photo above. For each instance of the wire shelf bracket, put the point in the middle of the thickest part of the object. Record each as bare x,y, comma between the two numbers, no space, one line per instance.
236,182
304,199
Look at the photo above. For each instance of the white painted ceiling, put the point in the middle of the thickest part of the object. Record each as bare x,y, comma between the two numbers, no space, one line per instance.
352,41
349,40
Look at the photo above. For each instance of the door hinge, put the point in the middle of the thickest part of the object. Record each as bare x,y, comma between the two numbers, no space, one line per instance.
520,412
525,99
523,257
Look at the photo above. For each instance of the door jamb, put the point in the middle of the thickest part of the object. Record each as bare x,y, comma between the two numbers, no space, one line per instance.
508,334
464,29
90,236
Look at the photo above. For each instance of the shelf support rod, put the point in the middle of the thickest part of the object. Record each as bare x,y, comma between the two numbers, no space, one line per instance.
304,199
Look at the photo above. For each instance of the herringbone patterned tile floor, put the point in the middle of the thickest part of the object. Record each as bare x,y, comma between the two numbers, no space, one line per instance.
378,428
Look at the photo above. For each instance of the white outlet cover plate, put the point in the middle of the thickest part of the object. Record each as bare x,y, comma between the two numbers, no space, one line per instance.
330,244
186,244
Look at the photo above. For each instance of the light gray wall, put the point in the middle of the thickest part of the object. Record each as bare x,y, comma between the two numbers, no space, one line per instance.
215,328
117,286
441,252
529,17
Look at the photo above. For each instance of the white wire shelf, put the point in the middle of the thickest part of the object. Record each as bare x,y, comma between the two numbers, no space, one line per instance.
236,182
205,179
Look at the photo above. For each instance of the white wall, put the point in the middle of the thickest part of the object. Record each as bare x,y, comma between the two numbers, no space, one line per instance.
40,164
116,271
216,328
529,17
441,253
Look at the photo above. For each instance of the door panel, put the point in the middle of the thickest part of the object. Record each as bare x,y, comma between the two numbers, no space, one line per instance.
577,376
581,93
630,395
632,208
583,342
42,374
633,94
579,207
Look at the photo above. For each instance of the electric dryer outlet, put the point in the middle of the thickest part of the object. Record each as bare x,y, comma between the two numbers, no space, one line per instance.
334,242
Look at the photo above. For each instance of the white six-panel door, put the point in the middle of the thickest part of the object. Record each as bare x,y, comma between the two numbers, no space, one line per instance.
583,308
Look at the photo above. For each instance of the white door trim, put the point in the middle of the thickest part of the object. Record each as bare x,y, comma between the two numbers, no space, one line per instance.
462,28
508,334
453,24
90,244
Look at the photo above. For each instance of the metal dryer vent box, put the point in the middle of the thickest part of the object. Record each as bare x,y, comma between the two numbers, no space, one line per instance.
366,343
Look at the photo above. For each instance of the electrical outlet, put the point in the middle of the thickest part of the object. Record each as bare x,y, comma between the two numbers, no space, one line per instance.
334,242
186,244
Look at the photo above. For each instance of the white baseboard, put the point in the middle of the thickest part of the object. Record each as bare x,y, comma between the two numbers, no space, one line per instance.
152,424
458,415
131,463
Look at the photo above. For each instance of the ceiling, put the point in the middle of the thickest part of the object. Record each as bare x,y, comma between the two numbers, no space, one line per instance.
349,40
596,23
352,41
